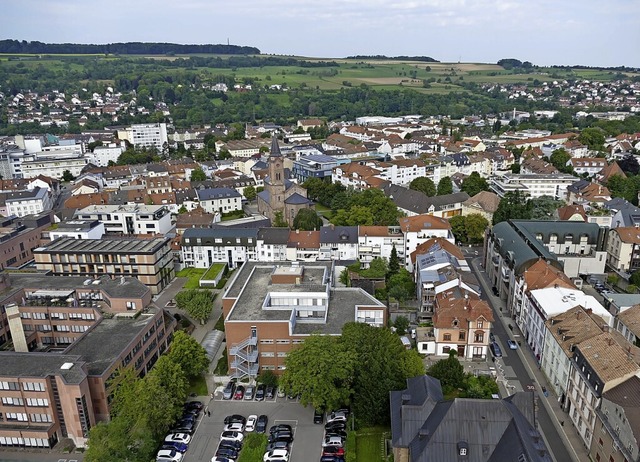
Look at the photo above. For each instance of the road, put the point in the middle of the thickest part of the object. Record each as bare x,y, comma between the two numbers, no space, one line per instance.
555,443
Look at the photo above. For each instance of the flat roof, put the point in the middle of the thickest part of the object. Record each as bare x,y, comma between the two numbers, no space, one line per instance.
41,365
102,246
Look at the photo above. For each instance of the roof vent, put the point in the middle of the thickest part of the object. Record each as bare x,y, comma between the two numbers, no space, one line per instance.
66,366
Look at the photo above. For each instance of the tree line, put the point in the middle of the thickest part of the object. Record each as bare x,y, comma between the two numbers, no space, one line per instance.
127,48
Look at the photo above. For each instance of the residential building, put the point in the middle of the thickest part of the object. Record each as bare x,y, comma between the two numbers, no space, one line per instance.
148,260
53,164
303,246
338,243
148,135
78,229
623,250
70,337
617,434
219,200
425,427
628,324
19,236
201,248
28,202
419,229
378,242
313,166
562,332
358,176
598,365
102,155
589,165
134,219
417,203
271,244
484,203
196,218
270,308
533,185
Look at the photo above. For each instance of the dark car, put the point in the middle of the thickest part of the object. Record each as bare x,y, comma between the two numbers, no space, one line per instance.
492,337
188,418
226,452
261,424
188,413
495,350
235,445
260,392
193,405
280,427
277,445
494,289
186,428
333,451
331,459
318,417
180,447
337,425
229,390
281,436
235,418
341,433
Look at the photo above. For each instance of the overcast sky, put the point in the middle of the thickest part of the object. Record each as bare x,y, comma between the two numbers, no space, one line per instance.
588,32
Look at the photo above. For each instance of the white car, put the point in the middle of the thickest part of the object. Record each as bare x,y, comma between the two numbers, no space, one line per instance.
232,436
234,427
337,417
251,423
178,438
276,454
332,441
169,455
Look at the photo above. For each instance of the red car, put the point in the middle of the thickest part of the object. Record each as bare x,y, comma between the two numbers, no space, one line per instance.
239,392
333,451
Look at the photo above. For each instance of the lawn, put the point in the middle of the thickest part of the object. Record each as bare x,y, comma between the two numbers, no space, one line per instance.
198,386
194,275
370,444
213,271
324,211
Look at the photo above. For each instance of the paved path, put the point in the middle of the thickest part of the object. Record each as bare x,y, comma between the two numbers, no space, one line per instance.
563,440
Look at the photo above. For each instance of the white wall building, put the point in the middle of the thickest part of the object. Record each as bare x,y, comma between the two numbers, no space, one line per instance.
219,200
378,242
102,155
28,202
78,229
202,247
129,219
534,185
148,135
53,164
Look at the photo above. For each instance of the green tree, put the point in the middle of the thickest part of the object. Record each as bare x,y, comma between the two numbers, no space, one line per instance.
67,176
198,303
321,370
513,206
355,216
473,184
250,192
475,227
385,212
182,210
401,324
377,269
629,164
161,396
401,286
544,207
449,371
445,186
307,220
515,168
635,278
458,228
278,220
189,354
559,159
592,137
197,174
423,184
268,378
394,262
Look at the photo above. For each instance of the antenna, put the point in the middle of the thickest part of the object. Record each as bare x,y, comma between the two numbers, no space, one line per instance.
227,41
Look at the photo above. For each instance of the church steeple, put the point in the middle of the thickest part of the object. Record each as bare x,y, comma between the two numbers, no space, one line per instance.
275,147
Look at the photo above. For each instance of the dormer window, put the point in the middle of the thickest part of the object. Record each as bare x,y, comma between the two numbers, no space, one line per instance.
463,451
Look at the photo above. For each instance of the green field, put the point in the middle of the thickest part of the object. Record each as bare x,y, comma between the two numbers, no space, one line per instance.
194,275
370,444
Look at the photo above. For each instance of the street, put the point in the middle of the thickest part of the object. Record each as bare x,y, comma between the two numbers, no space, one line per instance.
515,372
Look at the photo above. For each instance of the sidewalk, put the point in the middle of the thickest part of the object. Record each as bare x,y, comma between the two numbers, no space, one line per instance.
568,433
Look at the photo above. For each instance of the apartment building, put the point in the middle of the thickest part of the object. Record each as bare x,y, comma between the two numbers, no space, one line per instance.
419,229
219,200
70,336
19,236
148,135
271,244
313,166
623,249
533,185
202,247
129,219
338,243
270,308
378,242
148,260
102,155
78,229
28,202
53,164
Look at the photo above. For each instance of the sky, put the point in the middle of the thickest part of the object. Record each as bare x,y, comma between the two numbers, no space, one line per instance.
544,32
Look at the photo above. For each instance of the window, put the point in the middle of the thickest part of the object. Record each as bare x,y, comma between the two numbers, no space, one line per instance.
480,324
446,337
463,451
461,335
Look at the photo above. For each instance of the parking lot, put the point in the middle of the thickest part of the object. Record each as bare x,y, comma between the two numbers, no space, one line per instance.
307,435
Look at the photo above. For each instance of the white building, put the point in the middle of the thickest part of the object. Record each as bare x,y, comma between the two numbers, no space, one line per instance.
148,135
202,247
338,243
78,229
420,228
378,242
102,155
543,304
129,219
534,185
28,202
219,200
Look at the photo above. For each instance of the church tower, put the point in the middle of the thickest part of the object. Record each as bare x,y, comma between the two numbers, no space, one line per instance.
276,185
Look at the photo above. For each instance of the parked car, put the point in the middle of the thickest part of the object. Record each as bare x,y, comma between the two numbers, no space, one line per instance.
333,451
281,393
340,433
178,438
251,423
232,436
495,291
221,459
281,436
270,392
495,350
331,459
234,427
235,445
337,416
227,452
260,392
280,427
277,454
239,394
318,417
235,418
512,344
194,405
261,424
332,441
249,392
336,425
169,455
184,426
180,447
278,445
229,390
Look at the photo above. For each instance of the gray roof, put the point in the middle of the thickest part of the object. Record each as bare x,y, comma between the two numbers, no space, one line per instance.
102,246
275,147
216,193
618,203
296,199
491,430
274,235
102,346
41,365
339,234
514,248
16,196
418,202
208,236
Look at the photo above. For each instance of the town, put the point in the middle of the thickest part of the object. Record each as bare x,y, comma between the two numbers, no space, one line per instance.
403,287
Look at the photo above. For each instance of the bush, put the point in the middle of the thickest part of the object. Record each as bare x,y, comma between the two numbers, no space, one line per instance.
223,364
220,323
253,448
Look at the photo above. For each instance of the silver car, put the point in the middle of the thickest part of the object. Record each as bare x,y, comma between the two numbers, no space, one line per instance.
249,392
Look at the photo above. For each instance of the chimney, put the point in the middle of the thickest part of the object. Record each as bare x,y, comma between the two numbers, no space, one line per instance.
605,328
578,315
610,341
